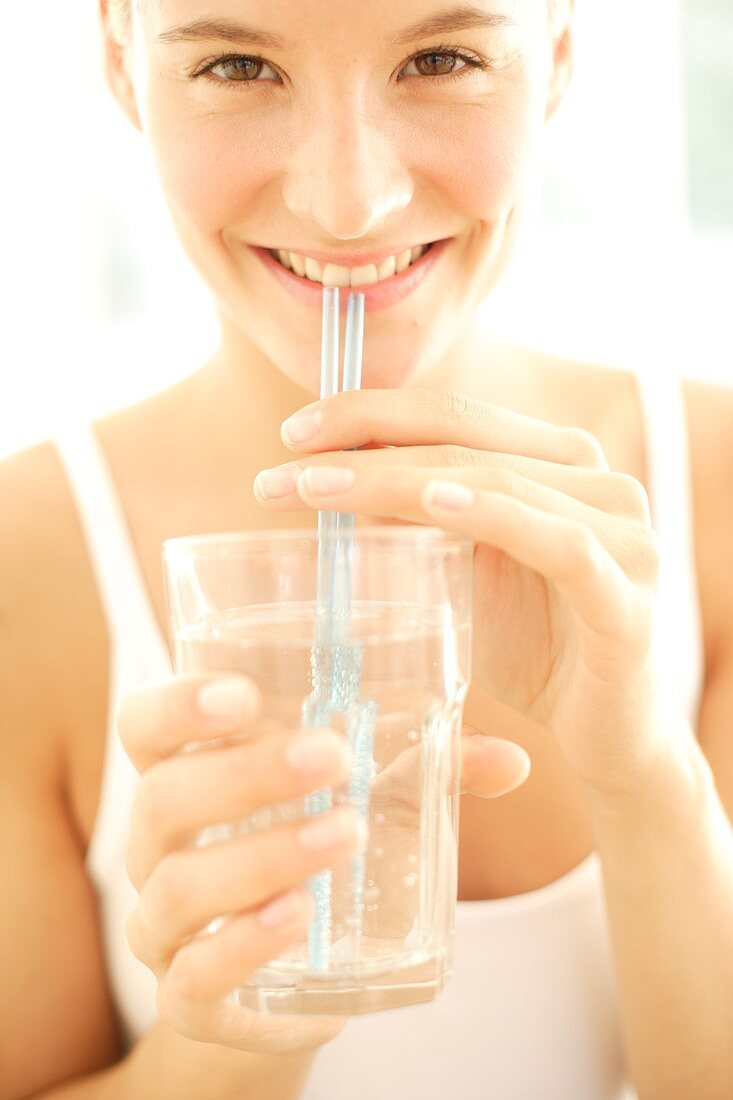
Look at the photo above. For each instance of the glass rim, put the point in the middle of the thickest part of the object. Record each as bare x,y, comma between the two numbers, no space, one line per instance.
233,541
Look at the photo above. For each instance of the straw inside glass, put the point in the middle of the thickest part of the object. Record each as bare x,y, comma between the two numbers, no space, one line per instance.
335,663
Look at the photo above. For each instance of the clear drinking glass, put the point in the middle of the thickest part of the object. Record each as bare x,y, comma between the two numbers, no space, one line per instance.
383,931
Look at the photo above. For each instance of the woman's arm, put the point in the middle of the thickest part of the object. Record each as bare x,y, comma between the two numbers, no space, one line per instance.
568,544
58,1029
56,1021
167,1066
667,856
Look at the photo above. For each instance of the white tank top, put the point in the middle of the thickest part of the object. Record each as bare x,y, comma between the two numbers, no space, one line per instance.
531,1010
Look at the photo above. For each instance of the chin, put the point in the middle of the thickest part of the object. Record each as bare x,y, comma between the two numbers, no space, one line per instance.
393,372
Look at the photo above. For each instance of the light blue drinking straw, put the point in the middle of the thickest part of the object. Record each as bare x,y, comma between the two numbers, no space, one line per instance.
336,663
317,709
361,717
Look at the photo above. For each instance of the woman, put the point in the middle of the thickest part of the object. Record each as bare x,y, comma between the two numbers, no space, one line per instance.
595,902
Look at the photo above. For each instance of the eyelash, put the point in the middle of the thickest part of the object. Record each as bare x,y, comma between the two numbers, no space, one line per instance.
470,62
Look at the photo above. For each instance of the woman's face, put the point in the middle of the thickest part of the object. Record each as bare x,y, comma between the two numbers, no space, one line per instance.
348,133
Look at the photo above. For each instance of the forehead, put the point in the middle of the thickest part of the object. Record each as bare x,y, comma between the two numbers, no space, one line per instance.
289,23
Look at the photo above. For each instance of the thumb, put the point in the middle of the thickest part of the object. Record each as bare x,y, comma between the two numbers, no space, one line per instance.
491,766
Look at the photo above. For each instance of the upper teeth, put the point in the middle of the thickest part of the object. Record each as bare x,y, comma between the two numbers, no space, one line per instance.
335,275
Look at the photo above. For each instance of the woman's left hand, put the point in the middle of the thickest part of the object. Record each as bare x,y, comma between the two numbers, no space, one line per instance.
565,562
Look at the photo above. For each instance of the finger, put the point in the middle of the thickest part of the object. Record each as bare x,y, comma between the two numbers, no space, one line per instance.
491,766
191,887
377,492
405,417
613,493
192,992
562,550
176,798
161,717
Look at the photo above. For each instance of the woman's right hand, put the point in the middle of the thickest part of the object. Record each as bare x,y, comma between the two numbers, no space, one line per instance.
258,878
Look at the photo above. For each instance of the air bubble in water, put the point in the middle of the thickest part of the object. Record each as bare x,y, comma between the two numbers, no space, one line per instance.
412,858
379,819
413,735
372,894
409,880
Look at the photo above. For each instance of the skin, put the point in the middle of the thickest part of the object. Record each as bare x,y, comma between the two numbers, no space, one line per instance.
322,124
328,123
563,538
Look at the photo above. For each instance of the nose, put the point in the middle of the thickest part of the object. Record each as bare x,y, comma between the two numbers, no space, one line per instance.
346,173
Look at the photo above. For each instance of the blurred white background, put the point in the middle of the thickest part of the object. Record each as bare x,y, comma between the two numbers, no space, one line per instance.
632,250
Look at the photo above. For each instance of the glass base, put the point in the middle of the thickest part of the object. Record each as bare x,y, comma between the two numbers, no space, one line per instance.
300,994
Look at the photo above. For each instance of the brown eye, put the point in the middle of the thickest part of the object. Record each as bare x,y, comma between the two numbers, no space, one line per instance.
239,69
436,64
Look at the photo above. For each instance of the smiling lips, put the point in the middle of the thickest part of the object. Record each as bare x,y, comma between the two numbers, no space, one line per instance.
384,282
336,275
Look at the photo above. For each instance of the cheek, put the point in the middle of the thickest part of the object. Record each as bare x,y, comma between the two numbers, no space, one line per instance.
486,165
212,170
496,165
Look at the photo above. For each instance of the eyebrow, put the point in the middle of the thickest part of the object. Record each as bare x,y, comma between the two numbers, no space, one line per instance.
465,17
206,29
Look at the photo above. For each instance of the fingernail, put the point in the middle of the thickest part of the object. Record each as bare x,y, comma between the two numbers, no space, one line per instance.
444,494
301,427
282,909
227,699
271,484
329,830
324,480
317,752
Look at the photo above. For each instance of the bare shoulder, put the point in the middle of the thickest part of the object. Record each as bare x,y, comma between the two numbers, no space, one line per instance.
598,397
710,420
53,636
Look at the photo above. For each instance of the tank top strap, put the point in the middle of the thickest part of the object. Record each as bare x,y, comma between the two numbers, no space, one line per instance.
669,481
667,455
128,610
138,651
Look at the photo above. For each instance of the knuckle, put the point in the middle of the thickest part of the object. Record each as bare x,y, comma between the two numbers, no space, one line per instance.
134,866
143,699
269,860
171,1009
124,721
134,936
242,763
142,942
454,406
632,497
582,549
647,556
502,480
182,981
584,449
149,808
640,625
453,455
168,889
